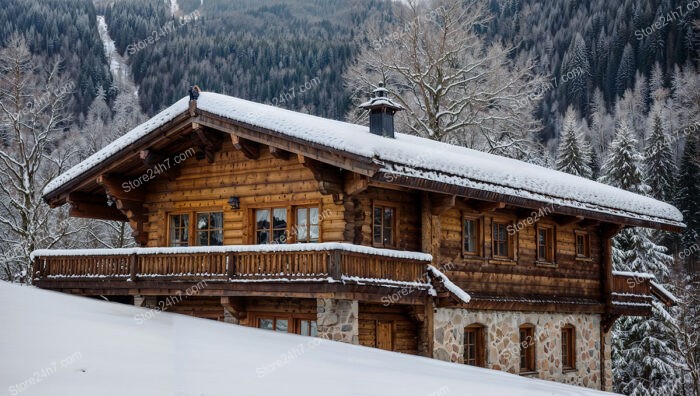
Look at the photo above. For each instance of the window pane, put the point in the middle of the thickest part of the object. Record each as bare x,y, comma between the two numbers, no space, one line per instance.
262,237
279,218
470,236
265,324
302,225
217,220
179,230
262,219
203,221
377,225
313,216
304,327
313,237
278,236
314,329
281,325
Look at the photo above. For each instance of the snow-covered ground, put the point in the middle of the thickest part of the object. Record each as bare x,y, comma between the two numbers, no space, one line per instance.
57,344
121,72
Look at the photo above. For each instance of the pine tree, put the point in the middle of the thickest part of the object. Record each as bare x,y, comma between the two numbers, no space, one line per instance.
574,154
659,164
643,356
687,194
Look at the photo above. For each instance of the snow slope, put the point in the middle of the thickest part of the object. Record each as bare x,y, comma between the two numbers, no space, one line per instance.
99,349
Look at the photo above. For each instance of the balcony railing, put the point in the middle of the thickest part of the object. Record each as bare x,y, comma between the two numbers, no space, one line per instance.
632,289
338,261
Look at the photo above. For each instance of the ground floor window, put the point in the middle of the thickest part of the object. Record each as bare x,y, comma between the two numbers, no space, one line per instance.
527,348
286,324
474,345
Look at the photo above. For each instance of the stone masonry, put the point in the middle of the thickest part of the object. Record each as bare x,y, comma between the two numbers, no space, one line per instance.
338,320
501,330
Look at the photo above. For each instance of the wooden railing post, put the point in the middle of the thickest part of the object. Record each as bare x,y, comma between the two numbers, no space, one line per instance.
335,270
36,266
133,263
231,266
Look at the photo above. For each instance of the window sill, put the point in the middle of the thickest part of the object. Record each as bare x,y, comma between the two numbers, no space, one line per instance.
502,261
545,264
528,373
468,256
569,370
587,259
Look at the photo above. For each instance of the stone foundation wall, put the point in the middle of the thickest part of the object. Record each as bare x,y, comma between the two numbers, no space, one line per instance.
501,331
338,320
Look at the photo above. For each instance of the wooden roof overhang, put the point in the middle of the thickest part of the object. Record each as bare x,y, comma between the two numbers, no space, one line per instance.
172,137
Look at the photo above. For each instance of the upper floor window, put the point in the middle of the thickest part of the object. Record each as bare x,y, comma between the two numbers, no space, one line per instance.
474,345
583,244
307,224
471,236
384,226
545,243
502,241
527,348
270,225
568,347
210,229
179,230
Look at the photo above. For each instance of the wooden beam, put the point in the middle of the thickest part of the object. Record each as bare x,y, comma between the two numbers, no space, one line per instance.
119,188
129,202
355,183
484,206
235,306
330,179
440,203
249,148
90,210
279,153
563,220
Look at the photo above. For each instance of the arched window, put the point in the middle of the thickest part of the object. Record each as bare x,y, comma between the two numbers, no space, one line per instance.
527,348
475,345
568,347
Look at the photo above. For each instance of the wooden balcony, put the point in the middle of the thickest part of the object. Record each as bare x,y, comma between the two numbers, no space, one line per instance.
632,293
112,271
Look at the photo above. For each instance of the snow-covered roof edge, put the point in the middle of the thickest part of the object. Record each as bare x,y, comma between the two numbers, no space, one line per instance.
664,292
446,163
292,247
449,285
638,275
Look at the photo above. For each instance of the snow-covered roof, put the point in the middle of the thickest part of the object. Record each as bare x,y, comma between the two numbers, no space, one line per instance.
408,155
449,285
93,347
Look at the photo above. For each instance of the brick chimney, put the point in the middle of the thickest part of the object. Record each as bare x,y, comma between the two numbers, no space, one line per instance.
381,112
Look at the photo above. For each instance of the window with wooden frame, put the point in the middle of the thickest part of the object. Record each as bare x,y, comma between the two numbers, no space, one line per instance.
474,345
545,243
179,229
270,225
502,241
471,235
384,225
306,327
210,229
286,323
527,348
568,347
583,244
307,228
275,323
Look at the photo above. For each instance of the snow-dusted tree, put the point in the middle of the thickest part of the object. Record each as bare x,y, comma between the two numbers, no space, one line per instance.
32,118
574,153
602,123
685,324
643,357
687,193
575,63
453,85
659,164
625,71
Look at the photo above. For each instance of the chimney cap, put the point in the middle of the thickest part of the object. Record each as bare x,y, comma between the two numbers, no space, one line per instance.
381,100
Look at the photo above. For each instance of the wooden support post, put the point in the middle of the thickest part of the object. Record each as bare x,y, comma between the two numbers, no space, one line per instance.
250,149
133,264
231,266
335,269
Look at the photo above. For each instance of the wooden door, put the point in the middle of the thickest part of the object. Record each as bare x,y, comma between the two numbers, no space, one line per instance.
385,335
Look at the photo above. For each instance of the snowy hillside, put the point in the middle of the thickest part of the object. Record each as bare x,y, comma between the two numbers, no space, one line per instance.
56,344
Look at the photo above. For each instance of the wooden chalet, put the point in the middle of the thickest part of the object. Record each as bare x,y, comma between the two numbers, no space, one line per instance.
269,218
